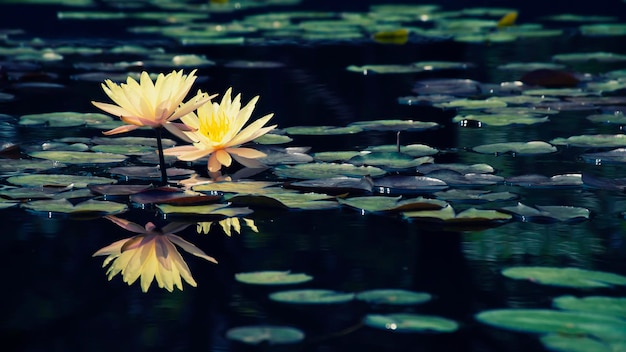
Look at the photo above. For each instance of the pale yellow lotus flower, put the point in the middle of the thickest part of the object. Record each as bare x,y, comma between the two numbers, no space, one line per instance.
217,131
151,254
228,225
151,104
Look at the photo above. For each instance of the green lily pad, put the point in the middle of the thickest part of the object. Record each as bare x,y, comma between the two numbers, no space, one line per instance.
550,213
447,214
599,56
572,343
321,130
333,185
389,160
272,335
26,165
474,196
501,119
592,140
70,157
58,180
241,187
406,184
271,277
273,138
124,149
565,277
457,167
410,323
516,148
214,210
311,296
64,119
473,103
87,208
326,170
541,181
384,69
414,150
545,321
394,125
385,203
393,297
291,200
593,304
335,156
146,141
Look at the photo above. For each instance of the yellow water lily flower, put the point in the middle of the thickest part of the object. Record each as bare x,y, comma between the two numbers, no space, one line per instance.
151,104
151,254
217,131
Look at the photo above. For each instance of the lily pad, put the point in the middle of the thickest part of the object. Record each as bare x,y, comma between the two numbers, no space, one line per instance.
241,187
325,170
88,208
320,130
389,160
333,185
394,125
615,306
545,321
474,196
304,201
271,277
399,184
541,181
565,277
411,323
574,343
448,214
414,150
501,119
552,213
64,119
393,297
272,335
385,203
516,148
211,210
58,180
70,157
592,140
458,167
312,296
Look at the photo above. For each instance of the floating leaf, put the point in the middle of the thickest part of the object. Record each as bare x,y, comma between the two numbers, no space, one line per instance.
615,306
259,334
393,297
566,277
517,148
458,167
477,104
320,130
447,214
88,208
541,181
326,170
389,160
241,187
403,184
271,277
64,119
385,203
149,172
408,323
592,140
311,296
501,119
574,343
308,201
333,185
544,213
553,321
474,196
394,125
414,150
212,210
70,157
58,180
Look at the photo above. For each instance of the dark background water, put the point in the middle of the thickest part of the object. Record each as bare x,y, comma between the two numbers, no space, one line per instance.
57,298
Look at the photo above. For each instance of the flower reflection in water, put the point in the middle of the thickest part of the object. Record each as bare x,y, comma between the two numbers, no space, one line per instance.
151,254
228,225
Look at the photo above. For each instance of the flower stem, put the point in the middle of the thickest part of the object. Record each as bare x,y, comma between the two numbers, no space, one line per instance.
161,157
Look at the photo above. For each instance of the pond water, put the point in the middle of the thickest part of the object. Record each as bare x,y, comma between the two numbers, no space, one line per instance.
58,297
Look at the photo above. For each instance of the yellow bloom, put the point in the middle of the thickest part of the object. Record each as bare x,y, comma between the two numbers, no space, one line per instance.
151,254
151,104
217,131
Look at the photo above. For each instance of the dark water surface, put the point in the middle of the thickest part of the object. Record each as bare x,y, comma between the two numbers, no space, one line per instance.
57,297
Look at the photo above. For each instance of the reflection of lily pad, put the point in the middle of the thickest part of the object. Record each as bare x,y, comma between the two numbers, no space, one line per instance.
312,296
554,321
407,323
393,297
272,335
272,278
566,277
